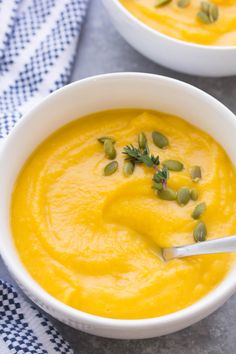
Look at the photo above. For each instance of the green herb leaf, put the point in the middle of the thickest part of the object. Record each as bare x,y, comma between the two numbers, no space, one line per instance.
133,154
138,156
160,179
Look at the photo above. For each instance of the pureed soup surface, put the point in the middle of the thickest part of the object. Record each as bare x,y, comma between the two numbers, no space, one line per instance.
183,23
89,239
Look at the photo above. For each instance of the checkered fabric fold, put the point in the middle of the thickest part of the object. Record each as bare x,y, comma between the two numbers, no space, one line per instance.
38,40
24,330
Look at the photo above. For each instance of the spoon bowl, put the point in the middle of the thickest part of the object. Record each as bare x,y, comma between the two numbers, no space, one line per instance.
219,245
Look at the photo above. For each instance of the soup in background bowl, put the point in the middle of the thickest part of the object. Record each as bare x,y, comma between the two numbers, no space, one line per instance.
176,37
197,21
58,160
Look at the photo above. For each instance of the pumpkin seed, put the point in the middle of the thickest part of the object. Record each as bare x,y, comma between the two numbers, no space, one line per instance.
209,12
160,3
173,165
160,140
103,138
213,13
110,168
167,194
142,140
183,3
183,196
205,6
128,168
199,210
196,173
109,149
200,232
203,17
194,194
157,185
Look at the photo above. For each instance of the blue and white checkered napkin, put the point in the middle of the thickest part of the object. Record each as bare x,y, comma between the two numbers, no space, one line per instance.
38,40
24,330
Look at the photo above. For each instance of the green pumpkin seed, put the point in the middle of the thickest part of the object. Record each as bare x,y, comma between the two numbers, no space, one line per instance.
110,168
209,13
160,3
157,186
205,6
173,165
109,149
203,17
160,140
200,232
183,3
194,194
128,168
199,210
167,194
183,196
196,173
103,138
142,140
213,13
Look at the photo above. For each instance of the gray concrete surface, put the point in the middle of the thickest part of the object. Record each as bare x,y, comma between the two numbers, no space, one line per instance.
102,50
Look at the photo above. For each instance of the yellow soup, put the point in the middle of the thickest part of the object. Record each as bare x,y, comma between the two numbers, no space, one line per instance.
90,240
183,23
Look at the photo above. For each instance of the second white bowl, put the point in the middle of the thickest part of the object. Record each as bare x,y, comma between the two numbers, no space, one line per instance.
190,58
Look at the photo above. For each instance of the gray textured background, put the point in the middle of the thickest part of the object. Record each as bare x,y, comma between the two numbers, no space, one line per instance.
102,50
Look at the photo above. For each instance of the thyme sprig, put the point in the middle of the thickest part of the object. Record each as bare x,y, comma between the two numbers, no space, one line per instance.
138,156
160,178
141,156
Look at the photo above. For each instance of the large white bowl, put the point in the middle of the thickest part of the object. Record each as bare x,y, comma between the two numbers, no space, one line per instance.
178,55
94,94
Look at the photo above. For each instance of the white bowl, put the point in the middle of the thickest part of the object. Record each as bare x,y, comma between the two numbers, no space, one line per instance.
178,55
132,90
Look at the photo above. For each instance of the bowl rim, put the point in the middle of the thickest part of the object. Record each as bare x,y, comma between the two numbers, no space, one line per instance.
173,40
199,309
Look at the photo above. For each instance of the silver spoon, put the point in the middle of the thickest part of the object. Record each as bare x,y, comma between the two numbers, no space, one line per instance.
219,245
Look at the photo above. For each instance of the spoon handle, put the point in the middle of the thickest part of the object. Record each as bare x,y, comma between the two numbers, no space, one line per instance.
219,245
